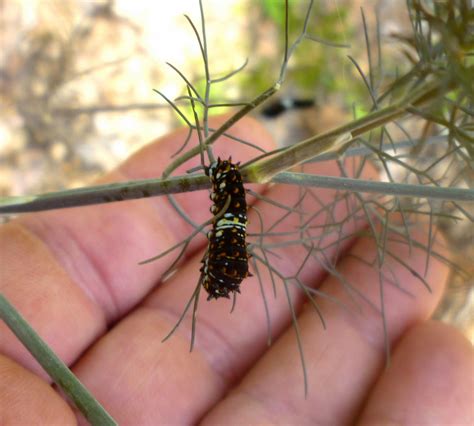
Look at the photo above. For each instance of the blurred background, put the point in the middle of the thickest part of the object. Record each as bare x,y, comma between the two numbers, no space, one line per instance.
76,76
76,80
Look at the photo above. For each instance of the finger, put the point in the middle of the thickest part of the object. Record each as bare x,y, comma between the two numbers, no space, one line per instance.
430,381
72,272
343,361
226,345
25,399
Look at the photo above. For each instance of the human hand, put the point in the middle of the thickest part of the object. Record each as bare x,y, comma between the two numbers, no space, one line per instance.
74,275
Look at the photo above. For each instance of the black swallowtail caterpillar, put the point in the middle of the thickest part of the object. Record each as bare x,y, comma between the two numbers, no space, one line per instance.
225,264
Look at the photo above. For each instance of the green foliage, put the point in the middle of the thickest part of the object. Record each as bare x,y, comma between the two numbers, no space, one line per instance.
315,66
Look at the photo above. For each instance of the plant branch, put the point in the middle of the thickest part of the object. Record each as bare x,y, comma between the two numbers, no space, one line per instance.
386,188
56,369
264,169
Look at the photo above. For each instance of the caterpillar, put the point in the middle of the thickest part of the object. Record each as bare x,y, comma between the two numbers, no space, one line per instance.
225,263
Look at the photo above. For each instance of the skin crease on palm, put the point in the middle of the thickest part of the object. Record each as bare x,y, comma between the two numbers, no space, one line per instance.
74,275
